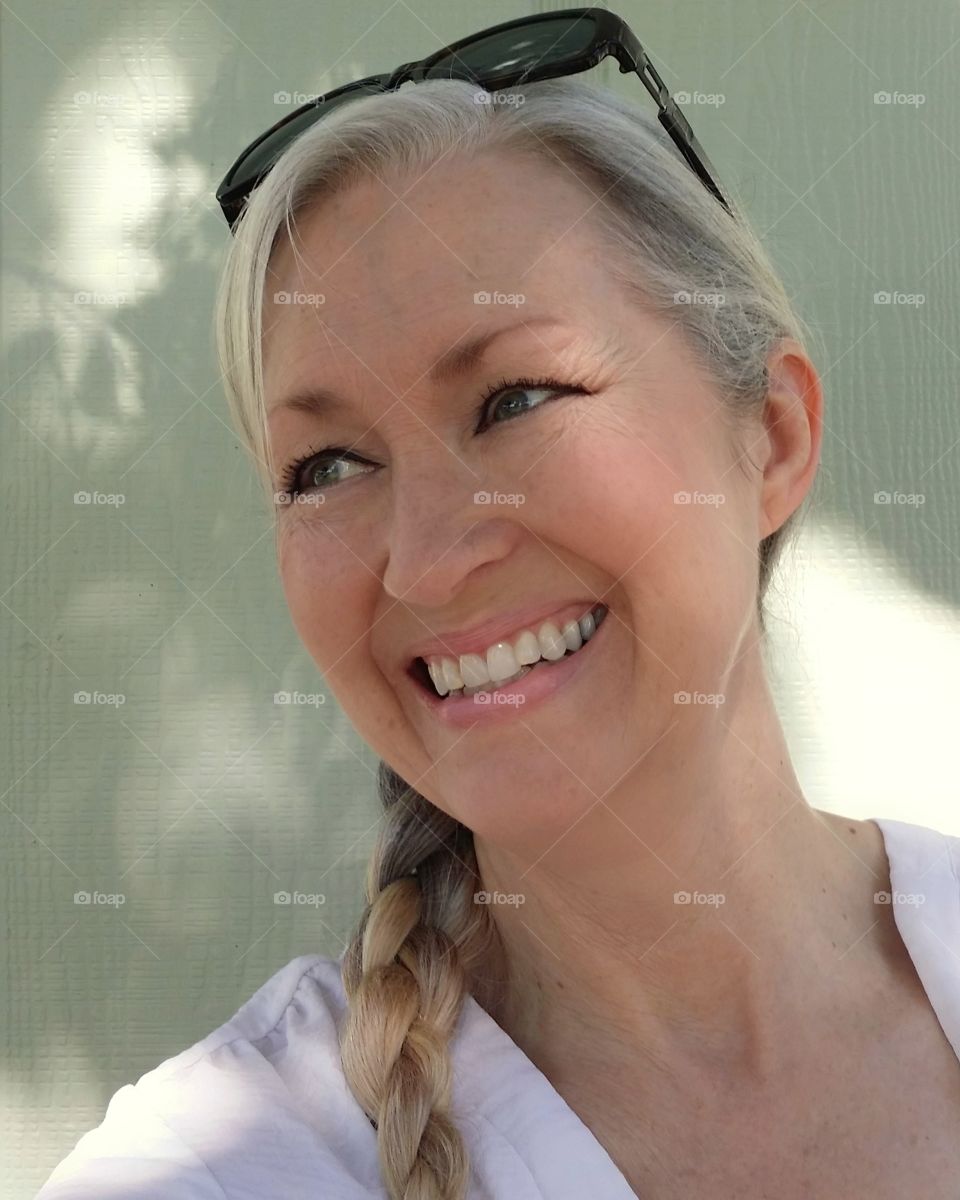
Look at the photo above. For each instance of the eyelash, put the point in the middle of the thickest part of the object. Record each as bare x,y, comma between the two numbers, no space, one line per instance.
291,472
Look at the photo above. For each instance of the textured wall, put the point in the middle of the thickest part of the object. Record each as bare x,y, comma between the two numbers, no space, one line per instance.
198,798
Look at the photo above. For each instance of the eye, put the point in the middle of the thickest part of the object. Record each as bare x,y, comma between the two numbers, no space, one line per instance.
517,387
306,473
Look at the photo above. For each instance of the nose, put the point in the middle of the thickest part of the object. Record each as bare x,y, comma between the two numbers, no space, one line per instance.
438,535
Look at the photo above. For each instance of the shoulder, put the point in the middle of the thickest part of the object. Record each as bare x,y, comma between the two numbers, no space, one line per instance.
258,1107
925,897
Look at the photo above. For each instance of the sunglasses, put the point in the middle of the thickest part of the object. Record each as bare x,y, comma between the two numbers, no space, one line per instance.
538,47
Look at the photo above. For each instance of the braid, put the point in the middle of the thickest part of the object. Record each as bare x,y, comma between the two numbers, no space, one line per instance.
405,973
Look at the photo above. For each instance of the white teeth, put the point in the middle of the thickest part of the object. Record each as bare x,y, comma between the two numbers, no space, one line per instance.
552,645
527,648
474,670
451,674
506,661
501,662
437,675
571,635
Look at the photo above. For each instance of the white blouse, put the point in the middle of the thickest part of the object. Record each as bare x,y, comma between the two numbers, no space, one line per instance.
260,1109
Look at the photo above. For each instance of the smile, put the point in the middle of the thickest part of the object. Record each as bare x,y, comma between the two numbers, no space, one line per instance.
538,676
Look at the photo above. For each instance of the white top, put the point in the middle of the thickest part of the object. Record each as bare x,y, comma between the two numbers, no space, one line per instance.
260,1109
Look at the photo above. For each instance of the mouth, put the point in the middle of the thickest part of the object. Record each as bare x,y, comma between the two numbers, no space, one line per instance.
419,672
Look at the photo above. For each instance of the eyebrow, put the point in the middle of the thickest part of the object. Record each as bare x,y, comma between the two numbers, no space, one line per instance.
453,364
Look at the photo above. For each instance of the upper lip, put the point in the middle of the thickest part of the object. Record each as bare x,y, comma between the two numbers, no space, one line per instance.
478,638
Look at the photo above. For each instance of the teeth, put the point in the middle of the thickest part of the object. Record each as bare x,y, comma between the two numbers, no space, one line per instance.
501,662
572,636
509,660
451,674
527,648
474,670
552,645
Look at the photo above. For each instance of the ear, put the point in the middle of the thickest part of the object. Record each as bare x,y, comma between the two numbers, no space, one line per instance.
788,449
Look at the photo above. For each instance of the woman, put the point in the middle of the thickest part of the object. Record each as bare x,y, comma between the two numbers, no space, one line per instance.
514,366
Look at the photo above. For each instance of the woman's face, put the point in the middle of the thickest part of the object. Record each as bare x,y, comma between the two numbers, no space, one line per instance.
390,548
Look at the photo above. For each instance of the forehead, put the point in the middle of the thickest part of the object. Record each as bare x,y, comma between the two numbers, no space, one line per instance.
390,269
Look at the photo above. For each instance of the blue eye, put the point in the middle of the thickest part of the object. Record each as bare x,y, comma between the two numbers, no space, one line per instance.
302,474
518,386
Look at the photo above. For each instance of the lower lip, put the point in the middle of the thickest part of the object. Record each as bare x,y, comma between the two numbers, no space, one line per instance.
512,700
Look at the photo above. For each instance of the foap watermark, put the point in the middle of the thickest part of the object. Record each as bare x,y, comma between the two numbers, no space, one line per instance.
297,98
101,299
514,499
914,898
107,899
910,499
497,698
307,899
312,298
108,499
109,699
294,498
909,299
714,99
712,899
709,698
98,99
711,299
711,499
311,699
908,99
482,97
514,898
508,298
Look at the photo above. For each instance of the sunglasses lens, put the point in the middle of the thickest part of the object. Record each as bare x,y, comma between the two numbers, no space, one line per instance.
517,50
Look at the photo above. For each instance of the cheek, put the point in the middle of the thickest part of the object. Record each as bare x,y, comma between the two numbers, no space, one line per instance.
604,495
325,588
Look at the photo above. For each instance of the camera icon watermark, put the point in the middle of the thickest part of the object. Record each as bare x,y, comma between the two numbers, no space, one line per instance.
109,699
495,698
709,499
108,499
312,298
709,299
508,298
912,898
910,499
514,499
307,899
907,99
290,499
714,99
310,699
108,899
711,899
508,99
297,98
908,299
101,299
512,898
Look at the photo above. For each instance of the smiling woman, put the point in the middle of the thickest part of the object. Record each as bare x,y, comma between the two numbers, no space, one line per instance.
534,440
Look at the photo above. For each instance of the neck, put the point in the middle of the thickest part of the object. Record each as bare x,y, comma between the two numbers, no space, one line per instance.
602,959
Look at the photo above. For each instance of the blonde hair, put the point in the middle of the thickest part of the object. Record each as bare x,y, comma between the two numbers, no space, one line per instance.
422,943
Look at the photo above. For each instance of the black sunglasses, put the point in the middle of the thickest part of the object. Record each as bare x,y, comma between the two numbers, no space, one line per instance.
516,52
